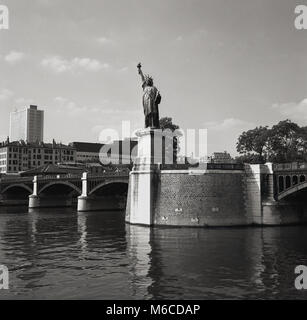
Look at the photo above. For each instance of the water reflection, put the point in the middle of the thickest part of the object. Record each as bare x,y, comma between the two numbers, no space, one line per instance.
82,230
60,253
139,251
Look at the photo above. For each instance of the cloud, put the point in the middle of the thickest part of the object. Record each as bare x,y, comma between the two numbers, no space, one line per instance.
292,110
105,41
14,57
196,35
105,107
58,64
24,101
223,134
3,137
5,94
69,106
123,69
228,124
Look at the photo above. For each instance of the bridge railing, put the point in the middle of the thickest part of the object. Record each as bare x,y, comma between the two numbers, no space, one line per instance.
292,166
8,179
208,166
225,166
59,176
17,179
109,174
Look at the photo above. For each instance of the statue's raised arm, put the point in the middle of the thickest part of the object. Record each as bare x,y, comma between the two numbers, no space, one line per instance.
139,66
151,100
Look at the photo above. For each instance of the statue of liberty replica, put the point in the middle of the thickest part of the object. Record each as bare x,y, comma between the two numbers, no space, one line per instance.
144,177
151,100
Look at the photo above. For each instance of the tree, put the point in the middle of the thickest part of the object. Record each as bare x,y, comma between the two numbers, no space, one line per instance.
252,143
284,142
303,143
166,123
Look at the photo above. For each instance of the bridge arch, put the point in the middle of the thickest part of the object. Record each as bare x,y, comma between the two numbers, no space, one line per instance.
17,185
66,183
281,183
106,183
292,190
288,182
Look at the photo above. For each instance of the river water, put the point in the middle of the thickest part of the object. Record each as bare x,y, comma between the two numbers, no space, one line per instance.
62,254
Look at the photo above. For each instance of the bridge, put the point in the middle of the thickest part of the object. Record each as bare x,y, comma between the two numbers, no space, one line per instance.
290,179
61,190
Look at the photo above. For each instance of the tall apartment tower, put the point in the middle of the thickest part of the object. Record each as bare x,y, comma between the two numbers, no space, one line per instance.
27,124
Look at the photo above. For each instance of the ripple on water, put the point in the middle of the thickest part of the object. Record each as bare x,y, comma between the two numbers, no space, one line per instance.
57,254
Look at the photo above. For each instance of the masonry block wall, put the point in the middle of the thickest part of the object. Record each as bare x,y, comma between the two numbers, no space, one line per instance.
208,199
203,198
252,193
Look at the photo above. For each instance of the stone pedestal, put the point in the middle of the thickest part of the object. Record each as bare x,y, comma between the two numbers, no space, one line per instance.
144,178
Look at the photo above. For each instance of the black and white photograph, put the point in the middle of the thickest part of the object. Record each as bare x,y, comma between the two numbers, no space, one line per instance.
153,150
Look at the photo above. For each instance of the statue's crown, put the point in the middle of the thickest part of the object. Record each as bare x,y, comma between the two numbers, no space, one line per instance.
148,79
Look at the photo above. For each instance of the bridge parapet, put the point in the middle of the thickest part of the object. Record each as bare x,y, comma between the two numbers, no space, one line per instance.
59,177
293,166
5,180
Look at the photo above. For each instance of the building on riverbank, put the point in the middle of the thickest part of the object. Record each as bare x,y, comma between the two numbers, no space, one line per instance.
19,156
222,157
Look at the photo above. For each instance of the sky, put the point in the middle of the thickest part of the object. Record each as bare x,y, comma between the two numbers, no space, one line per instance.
223,65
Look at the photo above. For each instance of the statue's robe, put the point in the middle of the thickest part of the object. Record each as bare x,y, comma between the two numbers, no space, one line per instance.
151,100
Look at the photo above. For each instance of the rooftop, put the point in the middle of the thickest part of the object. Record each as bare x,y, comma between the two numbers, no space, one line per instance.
87,146
25,144
51,169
